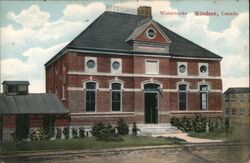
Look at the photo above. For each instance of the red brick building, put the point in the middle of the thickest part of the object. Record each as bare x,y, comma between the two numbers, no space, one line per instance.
131,66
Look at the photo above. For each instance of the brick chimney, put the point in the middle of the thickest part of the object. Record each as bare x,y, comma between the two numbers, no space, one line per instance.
144,11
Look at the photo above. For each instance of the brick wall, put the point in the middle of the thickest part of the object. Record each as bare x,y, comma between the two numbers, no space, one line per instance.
131,101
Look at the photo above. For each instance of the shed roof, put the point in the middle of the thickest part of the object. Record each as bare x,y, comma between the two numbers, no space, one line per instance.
16,82
237,90
109,32
42,103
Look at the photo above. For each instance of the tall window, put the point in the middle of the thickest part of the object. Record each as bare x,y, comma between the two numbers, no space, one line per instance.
203,97
226,98
182,89
63,91
90,96
116,96
233,98
241,98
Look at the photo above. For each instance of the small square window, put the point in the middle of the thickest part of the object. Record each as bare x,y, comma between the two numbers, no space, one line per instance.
242,111
227,111
12,89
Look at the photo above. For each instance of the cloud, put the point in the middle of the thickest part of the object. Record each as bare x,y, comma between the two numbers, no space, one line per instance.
32,69
39,39
82,13
9,35
235,82
30,18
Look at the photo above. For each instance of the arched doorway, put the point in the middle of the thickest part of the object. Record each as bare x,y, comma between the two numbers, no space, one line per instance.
151,102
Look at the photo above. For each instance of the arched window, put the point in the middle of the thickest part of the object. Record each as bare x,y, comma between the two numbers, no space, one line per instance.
116,96
182,90
90,96
203,97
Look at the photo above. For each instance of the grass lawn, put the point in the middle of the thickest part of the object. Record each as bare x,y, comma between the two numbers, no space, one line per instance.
210,135
85,143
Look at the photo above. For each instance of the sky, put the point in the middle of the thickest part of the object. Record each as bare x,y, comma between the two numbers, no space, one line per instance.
32,32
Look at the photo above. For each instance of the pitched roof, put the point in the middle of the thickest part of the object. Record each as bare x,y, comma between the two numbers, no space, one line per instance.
15,82
109,32
237,90
44,103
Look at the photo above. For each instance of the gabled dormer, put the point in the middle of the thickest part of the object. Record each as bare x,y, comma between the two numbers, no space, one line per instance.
15,87
149,37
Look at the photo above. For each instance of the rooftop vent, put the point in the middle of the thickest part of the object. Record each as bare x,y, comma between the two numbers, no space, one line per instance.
144,11
15,87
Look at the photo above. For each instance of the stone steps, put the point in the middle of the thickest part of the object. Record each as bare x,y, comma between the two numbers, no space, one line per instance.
150,129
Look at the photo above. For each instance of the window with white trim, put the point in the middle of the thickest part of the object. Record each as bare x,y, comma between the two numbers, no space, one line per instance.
203,69
182,68
90,64
203,97
241,98
116,65
233,111
233,98
151,33
182,91
152,67
116,97
90,96
227,98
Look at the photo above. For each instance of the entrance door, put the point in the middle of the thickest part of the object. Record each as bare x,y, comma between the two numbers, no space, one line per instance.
22,126
151,107
49,124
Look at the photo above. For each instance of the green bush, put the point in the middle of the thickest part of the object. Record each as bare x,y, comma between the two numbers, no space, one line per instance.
200,124
81,132
96,129
122,127
66,132
105,132
74,133
41,134
175,121
58,133
33,135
